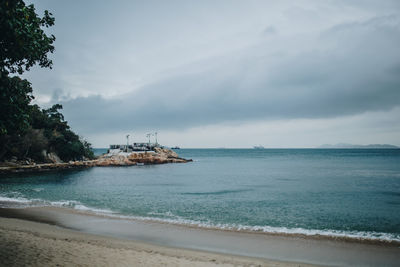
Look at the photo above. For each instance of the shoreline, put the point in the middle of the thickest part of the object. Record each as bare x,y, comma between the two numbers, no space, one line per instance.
159,156
372,238
30,243
40,167
275,247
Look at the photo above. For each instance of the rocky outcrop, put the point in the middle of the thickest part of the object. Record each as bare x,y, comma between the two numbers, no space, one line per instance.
51,157
166,152
33,167
158,156
115,158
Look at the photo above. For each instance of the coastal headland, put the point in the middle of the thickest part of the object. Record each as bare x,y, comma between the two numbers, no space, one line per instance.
117,158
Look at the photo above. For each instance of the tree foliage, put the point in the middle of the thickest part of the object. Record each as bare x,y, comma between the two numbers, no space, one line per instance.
15,96
58,134
23,43
25,129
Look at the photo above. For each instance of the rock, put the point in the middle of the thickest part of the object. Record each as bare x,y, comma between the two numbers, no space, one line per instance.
167,152
53,157
14,167
158,156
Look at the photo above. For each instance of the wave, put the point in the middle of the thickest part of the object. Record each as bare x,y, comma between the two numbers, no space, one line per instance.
22,202
169,217
14,200
221,192
38,189
177,220
90,209
163,214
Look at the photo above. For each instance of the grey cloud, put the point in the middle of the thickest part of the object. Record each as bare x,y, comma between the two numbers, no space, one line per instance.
270,30
348,69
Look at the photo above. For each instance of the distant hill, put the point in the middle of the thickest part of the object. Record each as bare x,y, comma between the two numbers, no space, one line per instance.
343,145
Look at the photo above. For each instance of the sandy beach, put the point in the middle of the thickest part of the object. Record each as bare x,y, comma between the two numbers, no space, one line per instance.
283,115
26,243
57,236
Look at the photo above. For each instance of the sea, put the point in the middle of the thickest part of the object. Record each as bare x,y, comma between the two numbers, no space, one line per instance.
352,193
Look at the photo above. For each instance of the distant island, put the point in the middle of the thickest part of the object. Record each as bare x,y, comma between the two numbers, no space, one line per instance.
344,145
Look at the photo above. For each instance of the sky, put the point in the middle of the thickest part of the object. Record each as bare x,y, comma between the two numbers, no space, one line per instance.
225,73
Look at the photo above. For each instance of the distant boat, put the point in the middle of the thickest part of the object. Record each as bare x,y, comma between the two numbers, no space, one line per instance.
175,147
258,147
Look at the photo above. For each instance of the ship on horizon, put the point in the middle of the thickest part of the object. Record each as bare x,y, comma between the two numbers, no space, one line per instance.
258,147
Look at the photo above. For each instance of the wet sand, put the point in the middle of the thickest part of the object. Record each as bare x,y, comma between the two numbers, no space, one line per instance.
25,243
49,236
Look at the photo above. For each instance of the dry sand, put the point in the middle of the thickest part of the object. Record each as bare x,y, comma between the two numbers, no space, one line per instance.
26,243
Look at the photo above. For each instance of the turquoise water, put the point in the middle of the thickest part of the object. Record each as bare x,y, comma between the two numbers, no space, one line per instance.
350,192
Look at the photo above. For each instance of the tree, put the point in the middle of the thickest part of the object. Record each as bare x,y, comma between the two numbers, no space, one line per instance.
23,43
25,129
15,96
61,138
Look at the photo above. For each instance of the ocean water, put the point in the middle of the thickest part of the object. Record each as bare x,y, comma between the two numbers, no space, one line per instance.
339,192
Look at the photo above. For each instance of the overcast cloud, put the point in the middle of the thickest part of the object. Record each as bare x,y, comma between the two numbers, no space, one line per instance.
229,70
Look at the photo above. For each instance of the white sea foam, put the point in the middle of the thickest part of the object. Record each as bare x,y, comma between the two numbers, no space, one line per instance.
90,209
38,189
24,202
329,233
14,199
17,201
64,203
164,214
178,220
79,206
